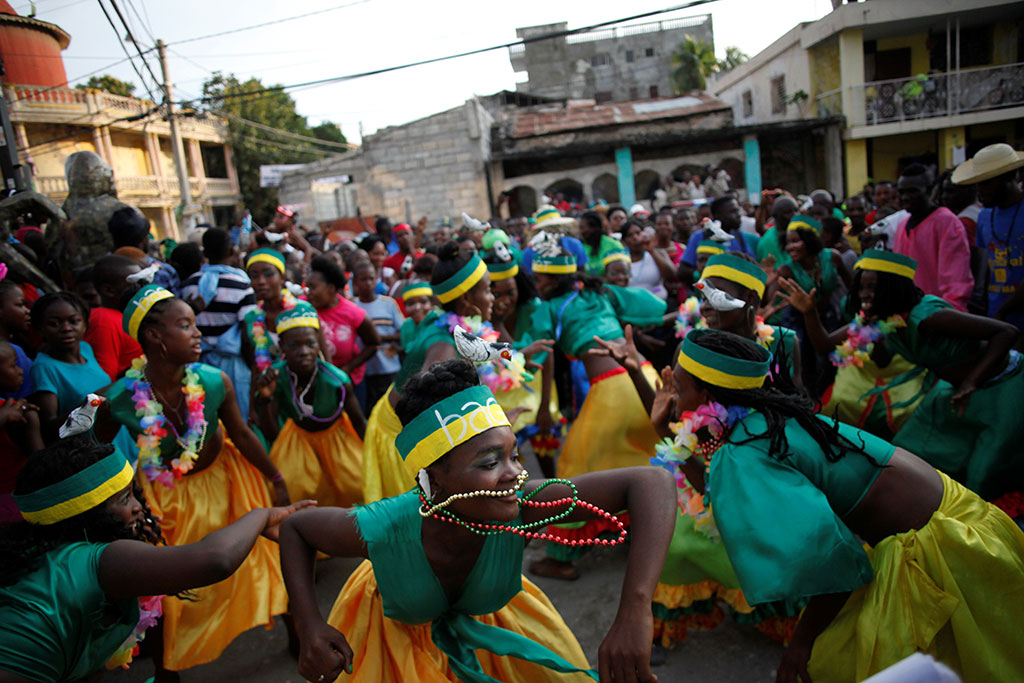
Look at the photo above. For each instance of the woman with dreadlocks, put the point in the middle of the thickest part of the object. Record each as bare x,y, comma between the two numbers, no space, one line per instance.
85,573
795,497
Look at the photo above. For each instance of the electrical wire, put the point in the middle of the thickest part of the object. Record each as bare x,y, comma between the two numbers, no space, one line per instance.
131,6
134,42
125,48
134,117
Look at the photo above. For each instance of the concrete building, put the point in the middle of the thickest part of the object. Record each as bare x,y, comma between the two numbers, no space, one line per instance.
611,65
52,121
888,84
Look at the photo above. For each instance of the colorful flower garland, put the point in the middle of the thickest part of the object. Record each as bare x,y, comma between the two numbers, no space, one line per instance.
718,420
153,422
861,338
689,317
150,609
260,338
496,375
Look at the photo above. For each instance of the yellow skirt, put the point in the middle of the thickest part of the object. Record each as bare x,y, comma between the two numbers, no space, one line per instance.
384,472
953,589
199,504
528,398
612,430
326,466
387,650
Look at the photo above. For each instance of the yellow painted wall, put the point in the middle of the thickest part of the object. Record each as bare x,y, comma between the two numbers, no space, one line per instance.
130,156
918,44
948,139
1004,43
856,166
49,158
886,152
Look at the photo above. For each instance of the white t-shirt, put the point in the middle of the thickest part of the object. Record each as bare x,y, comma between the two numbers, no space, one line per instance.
644,273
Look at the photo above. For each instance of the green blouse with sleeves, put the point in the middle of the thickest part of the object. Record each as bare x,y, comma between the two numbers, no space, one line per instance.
416,339
780,515
930,350
328,392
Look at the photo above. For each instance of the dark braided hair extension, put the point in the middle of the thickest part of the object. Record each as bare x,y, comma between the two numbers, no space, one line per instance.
894,294
23,545
437,382
775,404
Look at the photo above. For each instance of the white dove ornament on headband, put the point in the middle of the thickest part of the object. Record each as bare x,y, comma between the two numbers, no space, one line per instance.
546,244
719,300
144,276
717,234
502,252
81,418
274,236
474,224
477,350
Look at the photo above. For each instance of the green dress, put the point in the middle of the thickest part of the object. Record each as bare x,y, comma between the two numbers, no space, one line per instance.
53,620
829,276
595,262
416,339
982,448
768,245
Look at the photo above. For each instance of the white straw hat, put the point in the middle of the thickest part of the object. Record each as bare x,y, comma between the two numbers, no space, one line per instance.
989,162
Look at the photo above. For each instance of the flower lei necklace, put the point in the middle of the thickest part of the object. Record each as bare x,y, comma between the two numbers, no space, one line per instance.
717,420
260,338
151,608
153,422
689,317
861,337
494,374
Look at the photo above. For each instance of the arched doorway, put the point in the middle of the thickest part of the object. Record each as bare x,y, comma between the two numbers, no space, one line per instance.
522,201
645,183
571,190
606,187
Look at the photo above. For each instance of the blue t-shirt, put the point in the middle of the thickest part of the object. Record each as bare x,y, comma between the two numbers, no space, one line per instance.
70,382
570,244
388,319
1001,234
27,385
746,243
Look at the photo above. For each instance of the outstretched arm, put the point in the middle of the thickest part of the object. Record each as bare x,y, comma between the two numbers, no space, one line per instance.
247,442
371,340
821,611
804,302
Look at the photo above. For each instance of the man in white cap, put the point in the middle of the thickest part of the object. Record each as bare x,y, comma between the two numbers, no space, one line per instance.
1000,231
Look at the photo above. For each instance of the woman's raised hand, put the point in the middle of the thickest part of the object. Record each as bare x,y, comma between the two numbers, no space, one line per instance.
323,652
624,353
539,346
664,409
795,295
265,382
276,515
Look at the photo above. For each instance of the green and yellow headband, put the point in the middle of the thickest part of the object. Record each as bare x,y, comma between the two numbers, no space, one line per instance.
709,247
140,305
719,369
563,264
300,315
735,269
887,262
415,289
616,256
502,271
802,222
266,255
462,281
447,424
80,492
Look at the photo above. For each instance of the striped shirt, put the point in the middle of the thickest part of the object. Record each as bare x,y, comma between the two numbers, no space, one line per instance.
234,298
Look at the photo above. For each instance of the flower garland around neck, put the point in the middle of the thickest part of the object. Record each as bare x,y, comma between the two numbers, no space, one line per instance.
260,338
765,333
151,608
861,337
154,424
689,317
496,375
717,421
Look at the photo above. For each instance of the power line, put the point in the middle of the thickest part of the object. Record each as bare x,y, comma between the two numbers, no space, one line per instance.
434,60
131,37
131,6
281,145
126,52
267,23
134,117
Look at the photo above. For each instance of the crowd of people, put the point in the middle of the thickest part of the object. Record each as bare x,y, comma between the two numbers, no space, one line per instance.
803,414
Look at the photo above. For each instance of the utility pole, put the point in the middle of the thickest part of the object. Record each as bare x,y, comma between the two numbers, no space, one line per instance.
176,144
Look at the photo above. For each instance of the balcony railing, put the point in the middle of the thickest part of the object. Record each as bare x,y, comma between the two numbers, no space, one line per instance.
140,186
942,94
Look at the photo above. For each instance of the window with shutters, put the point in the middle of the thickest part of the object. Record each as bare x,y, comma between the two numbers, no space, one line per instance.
778,85
748,104
602,97
629,56
601,59
634,93
654,91
649,52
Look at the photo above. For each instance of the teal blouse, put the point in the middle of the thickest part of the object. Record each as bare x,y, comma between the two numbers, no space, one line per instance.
930,351
574,319
52,619
781,517
829,276
411,592
416,339
327,395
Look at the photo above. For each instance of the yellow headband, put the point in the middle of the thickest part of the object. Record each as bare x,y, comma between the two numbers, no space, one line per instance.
422,289
67,509
144,305
499,275
885,267
616,256
554,268
298,321
734,275
264,258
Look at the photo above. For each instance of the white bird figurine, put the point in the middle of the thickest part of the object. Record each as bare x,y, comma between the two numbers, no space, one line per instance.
719,300
274,236
717,234
473,224
477,350
502,252
546,243
81,418
296,290
146,275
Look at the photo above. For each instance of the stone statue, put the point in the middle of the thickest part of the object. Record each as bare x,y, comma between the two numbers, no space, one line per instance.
40,207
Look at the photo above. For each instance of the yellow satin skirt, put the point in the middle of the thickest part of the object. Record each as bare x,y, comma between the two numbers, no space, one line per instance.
528,396
953,589
326,466
389,651
612,430
384,472
874,413
199,504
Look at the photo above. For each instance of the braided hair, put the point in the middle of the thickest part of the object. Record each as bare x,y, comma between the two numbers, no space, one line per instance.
23,545
437,382
776,403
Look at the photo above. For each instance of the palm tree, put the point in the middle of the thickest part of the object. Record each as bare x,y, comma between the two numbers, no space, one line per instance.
692,63
733,58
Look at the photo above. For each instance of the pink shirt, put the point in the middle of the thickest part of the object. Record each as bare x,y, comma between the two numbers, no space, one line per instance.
939,245
339,326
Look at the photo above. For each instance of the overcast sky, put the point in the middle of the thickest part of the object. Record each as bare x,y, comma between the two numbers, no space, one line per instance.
365,35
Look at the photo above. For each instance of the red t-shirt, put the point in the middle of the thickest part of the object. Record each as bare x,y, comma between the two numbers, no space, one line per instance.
339,325
114,349
395,261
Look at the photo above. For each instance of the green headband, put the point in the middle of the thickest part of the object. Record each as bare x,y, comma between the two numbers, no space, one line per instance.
266,255
802,222
563,264
502,271
446,424
414,289
735,269
721,370
81,491
887,262
301,314
709,247
140,306
462,281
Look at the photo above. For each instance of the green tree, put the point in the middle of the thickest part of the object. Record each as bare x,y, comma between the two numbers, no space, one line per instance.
108,83
253,146
733,58
692,63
